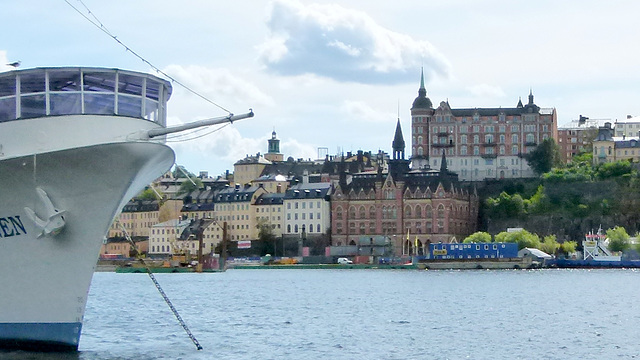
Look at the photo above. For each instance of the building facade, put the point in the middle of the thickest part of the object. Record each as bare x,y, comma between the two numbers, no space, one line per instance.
629,127
307,209
479,143
412,208
609,148
270,212
577,137
136,217
163,237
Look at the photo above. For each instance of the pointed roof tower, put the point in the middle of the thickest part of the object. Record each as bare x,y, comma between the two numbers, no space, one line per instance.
398,143
530,96
422,101
443,165
519,103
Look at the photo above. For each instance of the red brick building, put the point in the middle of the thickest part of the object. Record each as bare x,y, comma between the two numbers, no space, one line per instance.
410,208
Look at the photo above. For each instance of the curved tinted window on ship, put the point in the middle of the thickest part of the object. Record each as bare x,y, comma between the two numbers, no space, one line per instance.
64,91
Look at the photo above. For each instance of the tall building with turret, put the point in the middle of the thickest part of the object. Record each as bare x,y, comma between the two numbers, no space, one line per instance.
479,143
410,208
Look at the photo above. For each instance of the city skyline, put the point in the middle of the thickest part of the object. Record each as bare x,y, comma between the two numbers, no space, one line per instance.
338,74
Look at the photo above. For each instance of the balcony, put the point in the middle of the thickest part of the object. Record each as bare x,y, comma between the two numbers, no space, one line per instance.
489,144
446,145
530,143
489,156
443,134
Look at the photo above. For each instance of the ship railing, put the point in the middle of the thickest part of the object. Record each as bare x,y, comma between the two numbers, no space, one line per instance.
42,92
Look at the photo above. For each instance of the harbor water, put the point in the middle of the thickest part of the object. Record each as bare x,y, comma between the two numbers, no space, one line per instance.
363,314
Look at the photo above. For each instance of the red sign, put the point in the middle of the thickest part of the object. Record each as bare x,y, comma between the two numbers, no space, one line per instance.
244,244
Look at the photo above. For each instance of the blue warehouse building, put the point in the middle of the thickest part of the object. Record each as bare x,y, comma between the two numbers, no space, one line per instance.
473,251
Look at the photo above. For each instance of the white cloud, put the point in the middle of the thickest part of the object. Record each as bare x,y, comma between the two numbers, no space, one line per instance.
486,90
362,111
224,145
297,150
343,44
219,85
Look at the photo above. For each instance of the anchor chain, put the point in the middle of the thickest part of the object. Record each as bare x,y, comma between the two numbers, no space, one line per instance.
157,284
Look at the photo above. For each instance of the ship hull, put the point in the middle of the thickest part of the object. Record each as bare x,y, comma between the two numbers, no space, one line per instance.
45,278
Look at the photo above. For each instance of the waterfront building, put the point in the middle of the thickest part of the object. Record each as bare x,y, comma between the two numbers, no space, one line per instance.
412,208
269,212
188,242
307,209
479,143
163,236
236,206
121,247
136,217
610,148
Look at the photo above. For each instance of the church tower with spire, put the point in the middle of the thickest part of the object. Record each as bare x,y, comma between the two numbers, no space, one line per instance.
273,154
421,114
398,166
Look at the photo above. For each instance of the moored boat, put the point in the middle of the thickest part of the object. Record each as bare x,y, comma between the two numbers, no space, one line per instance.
75,145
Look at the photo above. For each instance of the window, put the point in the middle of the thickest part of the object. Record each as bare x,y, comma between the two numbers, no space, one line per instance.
530,138
463,139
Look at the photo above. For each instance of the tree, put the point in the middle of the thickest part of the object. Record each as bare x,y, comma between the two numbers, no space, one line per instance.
544,157
478,237
549,244
523,238
538,203
618,239
188,187
149,194
613,169
568,247
506,205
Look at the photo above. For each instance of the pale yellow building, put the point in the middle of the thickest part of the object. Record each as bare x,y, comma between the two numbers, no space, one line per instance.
249,169
235,207
163,236
269,211
136,217
609,148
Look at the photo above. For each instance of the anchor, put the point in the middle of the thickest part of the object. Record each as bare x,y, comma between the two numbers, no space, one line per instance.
53,221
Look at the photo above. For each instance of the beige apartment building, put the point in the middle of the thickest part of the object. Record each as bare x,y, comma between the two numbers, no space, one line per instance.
136,217
269,212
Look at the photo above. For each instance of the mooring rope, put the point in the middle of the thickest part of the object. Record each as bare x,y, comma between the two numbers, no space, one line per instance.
157,284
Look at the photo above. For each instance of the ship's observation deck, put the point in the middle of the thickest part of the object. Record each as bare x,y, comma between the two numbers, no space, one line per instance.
41,92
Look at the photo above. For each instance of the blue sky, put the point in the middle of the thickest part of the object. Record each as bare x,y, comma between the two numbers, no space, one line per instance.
337,74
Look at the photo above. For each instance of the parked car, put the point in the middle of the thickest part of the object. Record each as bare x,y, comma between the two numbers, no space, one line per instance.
344,261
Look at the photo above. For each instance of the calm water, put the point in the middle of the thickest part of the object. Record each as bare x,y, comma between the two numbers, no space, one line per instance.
364,314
